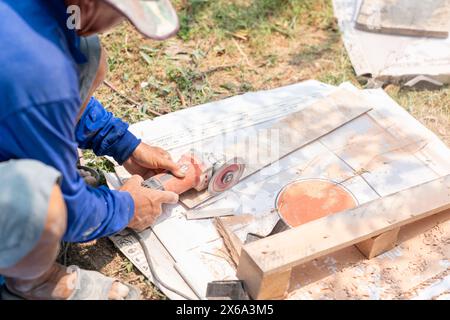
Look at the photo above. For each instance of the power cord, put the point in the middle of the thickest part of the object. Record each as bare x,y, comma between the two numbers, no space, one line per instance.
156,278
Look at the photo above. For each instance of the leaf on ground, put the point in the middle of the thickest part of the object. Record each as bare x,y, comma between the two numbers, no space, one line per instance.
146,57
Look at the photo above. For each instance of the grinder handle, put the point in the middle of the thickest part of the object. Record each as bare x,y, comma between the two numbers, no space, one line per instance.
168,182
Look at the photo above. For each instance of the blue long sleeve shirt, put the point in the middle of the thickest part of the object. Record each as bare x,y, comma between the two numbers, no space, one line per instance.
39,104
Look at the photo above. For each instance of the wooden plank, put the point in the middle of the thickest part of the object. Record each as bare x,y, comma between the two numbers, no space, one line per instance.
281,252
260,285
405,17
293,132
231,241
377,245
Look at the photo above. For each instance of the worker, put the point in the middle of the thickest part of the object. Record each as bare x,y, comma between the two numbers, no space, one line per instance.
51,63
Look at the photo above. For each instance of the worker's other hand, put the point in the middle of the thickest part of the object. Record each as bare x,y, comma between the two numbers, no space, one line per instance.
147,202
146,161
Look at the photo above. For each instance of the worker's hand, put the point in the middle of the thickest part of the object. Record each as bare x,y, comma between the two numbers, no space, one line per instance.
146,161
147,202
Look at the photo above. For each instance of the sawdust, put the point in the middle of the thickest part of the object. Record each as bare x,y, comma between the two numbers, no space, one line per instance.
400,273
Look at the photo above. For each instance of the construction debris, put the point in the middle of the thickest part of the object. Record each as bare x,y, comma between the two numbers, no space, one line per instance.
420,18
226,290
395,58
423,83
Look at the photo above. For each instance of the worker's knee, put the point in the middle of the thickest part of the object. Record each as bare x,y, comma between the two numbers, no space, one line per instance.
44,253
56,223
46,250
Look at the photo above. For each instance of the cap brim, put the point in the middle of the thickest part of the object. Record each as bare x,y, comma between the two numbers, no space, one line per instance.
156,19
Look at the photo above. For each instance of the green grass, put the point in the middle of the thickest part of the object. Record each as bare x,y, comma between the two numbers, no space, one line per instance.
178,83
258,17
267,43
310,53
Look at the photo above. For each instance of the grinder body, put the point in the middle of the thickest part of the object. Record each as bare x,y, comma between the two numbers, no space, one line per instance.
202,171
196,176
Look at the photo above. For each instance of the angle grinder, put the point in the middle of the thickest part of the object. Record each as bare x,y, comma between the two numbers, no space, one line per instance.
203,171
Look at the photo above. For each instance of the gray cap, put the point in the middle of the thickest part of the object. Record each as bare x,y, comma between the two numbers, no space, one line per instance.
156,19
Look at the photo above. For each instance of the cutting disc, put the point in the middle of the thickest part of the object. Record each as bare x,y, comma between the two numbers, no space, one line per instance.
226,175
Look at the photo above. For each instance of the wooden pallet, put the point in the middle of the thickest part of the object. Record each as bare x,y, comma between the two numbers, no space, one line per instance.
265,265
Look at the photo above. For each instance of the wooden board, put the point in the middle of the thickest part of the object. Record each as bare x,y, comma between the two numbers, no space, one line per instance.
275,255
231,240
377,245
422,18
292,132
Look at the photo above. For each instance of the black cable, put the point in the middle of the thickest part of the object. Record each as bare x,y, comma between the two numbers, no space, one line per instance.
141,241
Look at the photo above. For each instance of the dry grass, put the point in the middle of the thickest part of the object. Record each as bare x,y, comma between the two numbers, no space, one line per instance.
226,48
